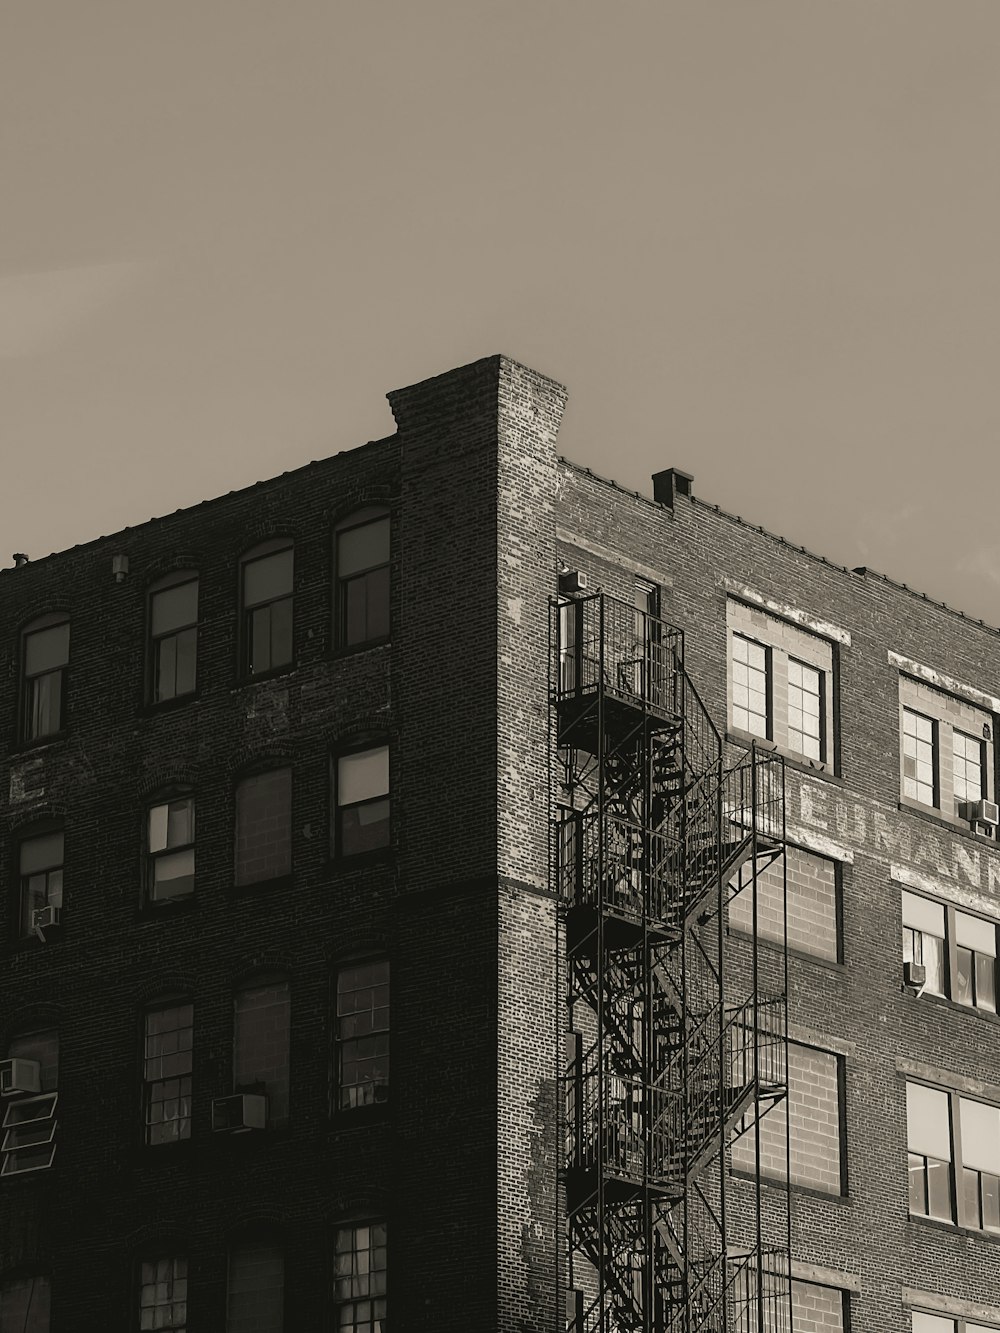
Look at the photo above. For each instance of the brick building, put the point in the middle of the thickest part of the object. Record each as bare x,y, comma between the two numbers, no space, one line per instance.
296,998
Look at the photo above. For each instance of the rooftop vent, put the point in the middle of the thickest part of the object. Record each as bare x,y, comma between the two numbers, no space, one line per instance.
19,559
670,483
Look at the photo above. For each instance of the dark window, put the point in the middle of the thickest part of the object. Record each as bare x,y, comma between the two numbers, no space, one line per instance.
163,1294
29,1127
267,608
167,1068
45,657
173,618
359,1284
256,1289
40,865
170,850
362,782
363,1033
264,826
260,1044
363,578
24,1304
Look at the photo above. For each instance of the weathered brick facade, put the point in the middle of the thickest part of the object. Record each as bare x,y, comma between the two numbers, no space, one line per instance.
460,1159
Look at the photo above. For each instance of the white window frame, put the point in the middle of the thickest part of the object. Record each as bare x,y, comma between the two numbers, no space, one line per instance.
949,714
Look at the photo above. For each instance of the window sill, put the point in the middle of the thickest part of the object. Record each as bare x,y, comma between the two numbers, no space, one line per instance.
341,865
956,1228
40,743
835,965
277,884
933,815
151,709
351,1118
946,1002
151,909
354,649
28,944
746,740
265,677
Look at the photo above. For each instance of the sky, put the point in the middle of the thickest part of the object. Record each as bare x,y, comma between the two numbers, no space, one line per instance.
757,240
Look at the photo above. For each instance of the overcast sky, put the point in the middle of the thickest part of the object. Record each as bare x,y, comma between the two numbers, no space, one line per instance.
757,239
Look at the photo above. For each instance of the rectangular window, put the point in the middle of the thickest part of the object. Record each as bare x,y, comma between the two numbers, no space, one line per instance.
363,580
40,864
46,654
359,1285
163,1294
928,1137
920,757
363,801
751,687
267,611
813,902
806,733
264,827
170,847
363,1033
24,1305
939,1323
167,1073
256,1289
260,1048
969,756
817,1309
173,614
954,1157
958,950
29,1133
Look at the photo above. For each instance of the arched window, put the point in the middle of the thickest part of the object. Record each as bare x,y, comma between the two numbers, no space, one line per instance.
266,577
44,660
168,1040
170,848
173,636
360,780
362,1033
362,565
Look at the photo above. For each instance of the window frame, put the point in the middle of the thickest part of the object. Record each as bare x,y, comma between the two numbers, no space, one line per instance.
176,579
241,781
339,1302
257,1239
25,836
950,973
149,1085
26,706
340,1042
262,551
262,981
173,1255
951,716
150,858
40,1284
360,518
783,642
959,1323
355,748
958,1194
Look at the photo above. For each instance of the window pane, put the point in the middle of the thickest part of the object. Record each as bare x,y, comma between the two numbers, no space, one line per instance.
932,1323
927,1121
41,853
174,608
985,977
363,776
173,875
969,753
364,827
281,633
932,950
939,1190
45,705
24,1305
922,914
980,1135
46,649
974,933
363,547
267,578
187,660
171,824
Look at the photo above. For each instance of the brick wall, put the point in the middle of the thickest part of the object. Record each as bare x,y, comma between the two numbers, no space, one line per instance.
817,1309
813,919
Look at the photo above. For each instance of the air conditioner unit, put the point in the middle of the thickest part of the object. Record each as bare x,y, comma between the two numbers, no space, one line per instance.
980,812
19,1076
238,1114
572,580
44,917
914,977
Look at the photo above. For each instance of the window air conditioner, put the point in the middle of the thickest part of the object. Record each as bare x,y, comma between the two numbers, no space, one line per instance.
980,812
19,1076
572,580
44,917
914,977
239,1113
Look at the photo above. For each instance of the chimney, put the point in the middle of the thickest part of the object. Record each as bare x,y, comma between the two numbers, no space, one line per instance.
670,483
19,559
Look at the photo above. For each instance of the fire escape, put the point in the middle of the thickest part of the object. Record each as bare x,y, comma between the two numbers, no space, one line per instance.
676,1053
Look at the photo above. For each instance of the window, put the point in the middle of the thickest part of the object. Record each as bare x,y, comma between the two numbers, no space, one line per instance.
256,1289
781,685
167,1064
359,1285
363,1034
24,1304
45,657
362,783
946,751
170,850
29,1123
40,867
818,1309
163,1294
815,1095
264,827
173,627
260,1044
937,1323
813,901
954,1157
267,607
958,950
362,543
